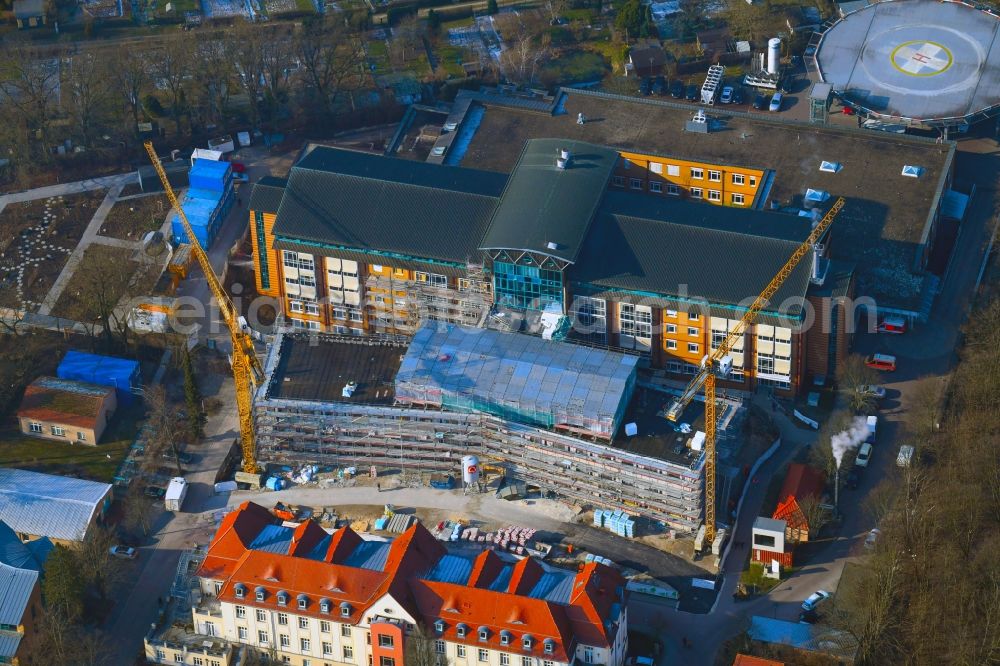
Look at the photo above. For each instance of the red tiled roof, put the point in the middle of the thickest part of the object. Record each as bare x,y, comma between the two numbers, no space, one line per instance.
596,588
44,401
793,515
802,481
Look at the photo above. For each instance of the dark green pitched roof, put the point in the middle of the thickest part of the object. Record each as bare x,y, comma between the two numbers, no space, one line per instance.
544,204
266,194
676,248
344,198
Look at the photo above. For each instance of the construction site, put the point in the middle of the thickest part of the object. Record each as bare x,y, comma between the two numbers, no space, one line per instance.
558,417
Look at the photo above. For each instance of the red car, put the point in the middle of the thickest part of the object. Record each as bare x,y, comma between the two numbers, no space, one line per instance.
238,167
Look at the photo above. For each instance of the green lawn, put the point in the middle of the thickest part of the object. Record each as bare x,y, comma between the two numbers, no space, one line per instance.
451,59
576,67
97,463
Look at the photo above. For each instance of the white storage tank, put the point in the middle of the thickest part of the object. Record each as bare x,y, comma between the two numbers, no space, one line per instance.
470,470
773,55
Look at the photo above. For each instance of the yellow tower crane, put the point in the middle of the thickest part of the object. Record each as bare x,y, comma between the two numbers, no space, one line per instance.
719,363
247,372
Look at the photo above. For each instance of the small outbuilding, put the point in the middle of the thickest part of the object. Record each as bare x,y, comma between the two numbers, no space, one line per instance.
66,410
29,13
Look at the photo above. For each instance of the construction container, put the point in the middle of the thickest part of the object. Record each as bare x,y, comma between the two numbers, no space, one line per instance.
210,175
120,373
206,211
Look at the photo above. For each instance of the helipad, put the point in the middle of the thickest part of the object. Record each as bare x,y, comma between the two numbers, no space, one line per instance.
916,61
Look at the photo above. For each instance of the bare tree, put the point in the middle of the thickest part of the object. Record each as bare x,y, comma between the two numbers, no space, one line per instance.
330,59
85,83
130,74
419,647
29,87
97,567
172,66
852,375
245,49
99,287
212,74
168,432
137,509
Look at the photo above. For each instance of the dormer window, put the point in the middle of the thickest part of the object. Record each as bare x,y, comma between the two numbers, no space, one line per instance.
303,601
282,598
484,633
527,642
439,626
504,638
240,590
345,609
550,646
324,605
259,593
460,630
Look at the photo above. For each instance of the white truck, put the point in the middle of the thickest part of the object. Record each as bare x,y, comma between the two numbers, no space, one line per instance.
176,492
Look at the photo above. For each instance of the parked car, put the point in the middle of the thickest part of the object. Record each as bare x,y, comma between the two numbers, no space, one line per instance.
124,552
760,102
864,455
154,491
905,456
438,151
872,424
896,325
738,96
872,389
853,478
775,103
646,86
872,537
238,167
884,362
659,86
727,95
691,93
815,599
677,89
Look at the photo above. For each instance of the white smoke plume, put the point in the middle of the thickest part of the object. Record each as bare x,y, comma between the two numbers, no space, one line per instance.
844,441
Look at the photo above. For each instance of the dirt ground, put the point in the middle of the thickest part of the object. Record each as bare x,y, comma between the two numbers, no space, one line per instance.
36,239
132,218
104,272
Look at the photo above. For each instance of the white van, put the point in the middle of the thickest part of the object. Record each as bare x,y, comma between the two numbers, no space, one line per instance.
905,455
864,455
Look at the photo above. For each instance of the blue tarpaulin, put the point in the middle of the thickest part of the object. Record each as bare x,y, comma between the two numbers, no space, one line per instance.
120,373
209,175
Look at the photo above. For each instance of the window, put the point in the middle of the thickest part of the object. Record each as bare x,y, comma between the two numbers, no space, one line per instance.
714,195
303,623
242,633
305,644
385,641
635,183
160,654
673,170
738,179
460,651
313,309
588,655
618,181
483,634
656,167
549,647
693,347
260,595
386,661
179,657
671,344
671,313
526,661
590,318
763,540
696,193
692,331
198,661
348,653
345,630
439,647
81,436
753,181
484,655
737,199
715,176
265,276
504,638
284,641
439,626
694,316
241,611
295,306
527,286
355,316
262,637
656,187
282,618
327,648
504,659
697,174
324,627
305,662
35,427
345,610
673,190
636,325
58,431
261,616
298,260
460,630
339,313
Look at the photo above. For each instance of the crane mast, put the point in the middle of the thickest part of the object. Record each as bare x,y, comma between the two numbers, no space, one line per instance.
715,364
247,371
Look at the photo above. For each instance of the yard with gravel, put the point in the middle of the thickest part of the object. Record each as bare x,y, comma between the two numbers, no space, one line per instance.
36,239
131,219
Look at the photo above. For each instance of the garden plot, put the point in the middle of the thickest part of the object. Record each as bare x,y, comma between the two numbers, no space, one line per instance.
131,219
481,37
224,8
36,239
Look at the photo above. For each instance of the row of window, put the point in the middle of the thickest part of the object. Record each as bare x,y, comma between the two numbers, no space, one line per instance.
483,655
736,198
161,655
693,347
55,430
696,173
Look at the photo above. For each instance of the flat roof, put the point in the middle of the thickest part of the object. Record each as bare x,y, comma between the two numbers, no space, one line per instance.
545,208
657,437
880,228
317,367
518,377
915,59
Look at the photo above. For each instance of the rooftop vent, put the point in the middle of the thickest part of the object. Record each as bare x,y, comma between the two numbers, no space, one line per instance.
698,124
552,245
580,119
830,167
912,171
